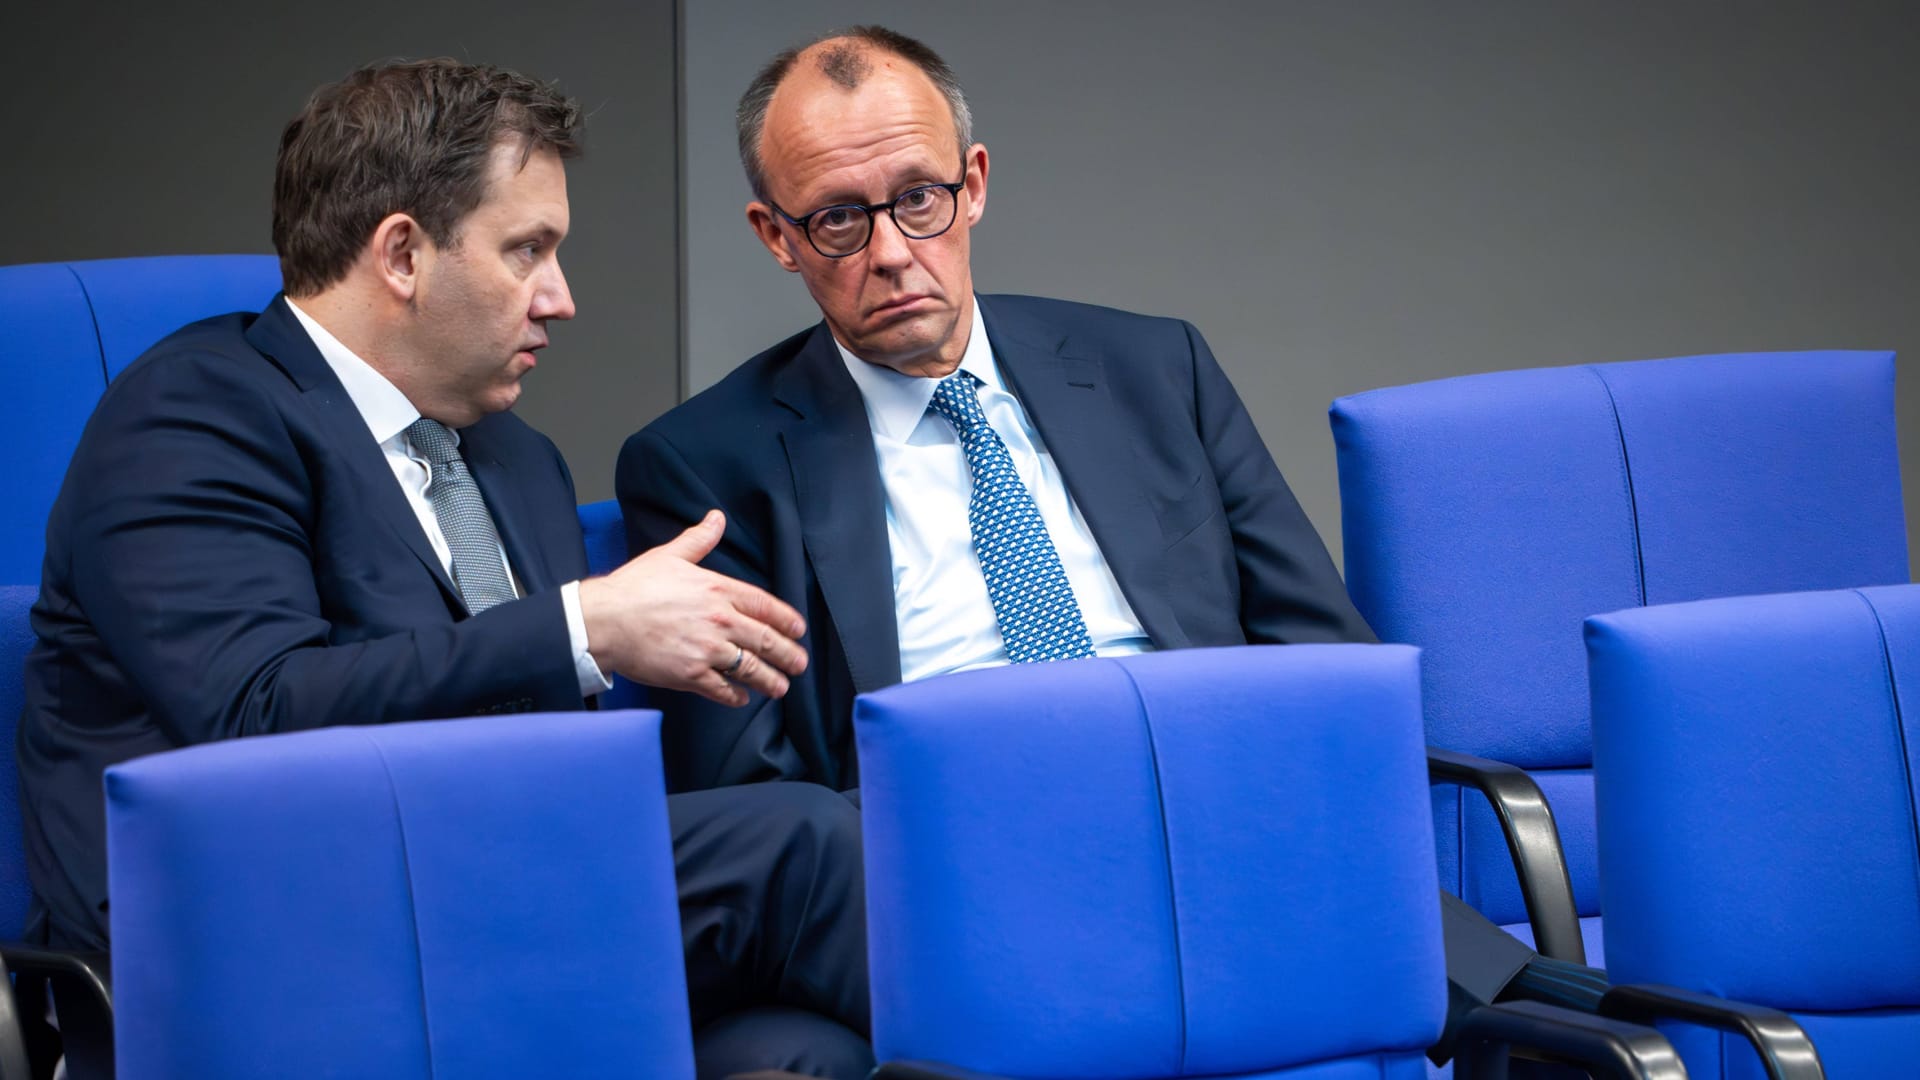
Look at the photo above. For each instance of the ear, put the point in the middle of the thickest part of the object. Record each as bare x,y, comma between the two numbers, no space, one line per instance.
976,184
767,228
399,249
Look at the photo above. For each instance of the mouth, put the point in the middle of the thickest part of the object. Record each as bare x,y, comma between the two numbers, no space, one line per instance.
903,305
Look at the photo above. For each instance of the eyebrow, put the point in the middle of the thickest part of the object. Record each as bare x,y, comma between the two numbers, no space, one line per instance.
847,197
542,231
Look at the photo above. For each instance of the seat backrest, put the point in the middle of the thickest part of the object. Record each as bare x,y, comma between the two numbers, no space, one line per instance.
16,637
478,898
66,329
606,535
1147,867
1484,517
136,302
1755,760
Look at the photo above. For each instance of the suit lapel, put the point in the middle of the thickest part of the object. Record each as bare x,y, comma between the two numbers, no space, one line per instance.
278,335
510,518
1069,399
843,515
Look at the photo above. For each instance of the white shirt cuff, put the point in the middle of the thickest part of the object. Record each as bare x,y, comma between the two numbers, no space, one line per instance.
591,680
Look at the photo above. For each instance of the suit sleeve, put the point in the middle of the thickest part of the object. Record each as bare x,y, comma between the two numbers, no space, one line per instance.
705,744
1289,590
193,557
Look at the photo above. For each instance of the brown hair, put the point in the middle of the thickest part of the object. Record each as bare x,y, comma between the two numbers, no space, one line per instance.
410,137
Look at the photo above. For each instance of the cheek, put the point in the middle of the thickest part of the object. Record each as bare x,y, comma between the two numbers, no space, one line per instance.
834,291
946,257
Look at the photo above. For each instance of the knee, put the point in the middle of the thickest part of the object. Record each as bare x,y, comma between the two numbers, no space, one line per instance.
796,1041
816,820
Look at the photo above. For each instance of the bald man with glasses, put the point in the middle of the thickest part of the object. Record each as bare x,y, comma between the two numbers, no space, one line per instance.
940,480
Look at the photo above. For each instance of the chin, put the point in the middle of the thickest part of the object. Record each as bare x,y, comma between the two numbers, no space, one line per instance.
498,402
905,341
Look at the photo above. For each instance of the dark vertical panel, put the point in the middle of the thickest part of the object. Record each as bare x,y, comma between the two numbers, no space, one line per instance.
151,129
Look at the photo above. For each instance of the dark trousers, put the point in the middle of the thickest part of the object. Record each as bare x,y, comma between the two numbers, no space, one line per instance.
773,917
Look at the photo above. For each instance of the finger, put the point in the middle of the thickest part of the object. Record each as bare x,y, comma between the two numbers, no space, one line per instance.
714,687
755,674
767,644
695,543
763,607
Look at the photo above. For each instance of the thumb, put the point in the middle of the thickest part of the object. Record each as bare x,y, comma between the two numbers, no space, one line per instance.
695,544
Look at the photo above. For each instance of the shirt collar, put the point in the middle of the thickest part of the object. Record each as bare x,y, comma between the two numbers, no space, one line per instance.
385,409
895,402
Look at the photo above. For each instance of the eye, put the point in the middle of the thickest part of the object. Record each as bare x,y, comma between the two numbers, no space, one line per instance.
918,199
837,219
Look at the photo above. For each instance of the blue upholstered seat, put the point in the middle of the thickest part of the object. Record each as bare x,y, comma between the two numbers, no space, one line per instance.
605,533
1755,760
606,537
473,898
1201,863
1486,516
16,637
65,329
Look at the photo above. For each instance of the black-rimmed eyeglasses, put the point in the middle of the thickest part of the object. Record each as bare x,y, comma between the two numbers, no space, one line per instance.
920,213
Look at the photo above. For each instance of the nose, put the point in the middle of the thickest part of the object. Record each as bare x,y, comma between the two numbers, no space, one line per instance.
887,248
553,300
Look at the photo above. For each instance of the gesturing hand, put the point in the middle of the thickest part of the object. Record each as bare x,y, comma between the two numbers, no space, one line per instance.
663,620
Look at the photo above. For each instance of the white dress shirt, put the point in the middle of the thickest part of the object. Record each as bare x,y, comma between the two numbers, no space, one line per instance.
940,604
388,414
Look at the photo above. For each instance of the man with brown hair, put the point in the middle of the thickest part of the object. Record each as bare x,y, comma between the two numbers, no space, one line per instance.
325,514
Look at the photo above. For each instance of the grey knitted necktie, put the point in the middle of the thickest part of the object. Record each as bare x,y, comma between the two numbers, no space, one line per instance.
479,567
1032,599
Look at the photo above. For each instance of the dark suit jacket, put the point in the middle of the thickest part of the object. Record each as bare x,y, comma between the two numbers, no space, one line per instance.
230,555
1204,537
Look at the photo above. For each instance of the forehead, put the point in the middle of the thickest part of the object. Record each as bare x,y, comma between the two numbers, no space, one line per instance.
523,188
822,139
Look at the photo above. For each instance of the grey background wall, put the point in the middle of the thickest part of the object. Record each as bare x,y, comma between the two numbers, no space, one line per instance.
151,129
1349,195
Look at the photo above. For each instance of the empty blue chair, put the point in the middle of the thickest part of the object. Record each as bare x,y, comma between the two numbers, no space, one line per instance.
466,898
1484,517
1205,863
65,329
1755,762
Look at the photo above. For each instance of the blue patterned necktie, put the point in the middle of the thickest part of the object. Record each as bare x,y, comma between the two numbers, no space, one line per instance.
479,567
1032,599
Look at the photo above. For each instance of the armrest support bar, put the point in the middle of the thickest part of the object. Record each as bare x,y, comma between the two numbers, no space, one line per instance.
13,1046
1532,839
83,997
1608,1049
1785,1051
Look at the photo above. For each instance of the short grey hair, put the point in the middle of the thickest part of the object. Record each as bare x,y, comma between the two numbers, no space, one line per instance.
848,67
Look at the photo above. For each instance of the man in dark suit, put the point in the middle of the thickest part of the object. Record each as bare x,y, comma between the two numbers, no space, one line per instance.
942,481
325,514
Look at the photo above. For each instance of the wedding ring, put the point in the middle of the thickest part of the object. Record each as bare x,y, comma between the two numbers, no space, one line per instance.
739,654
